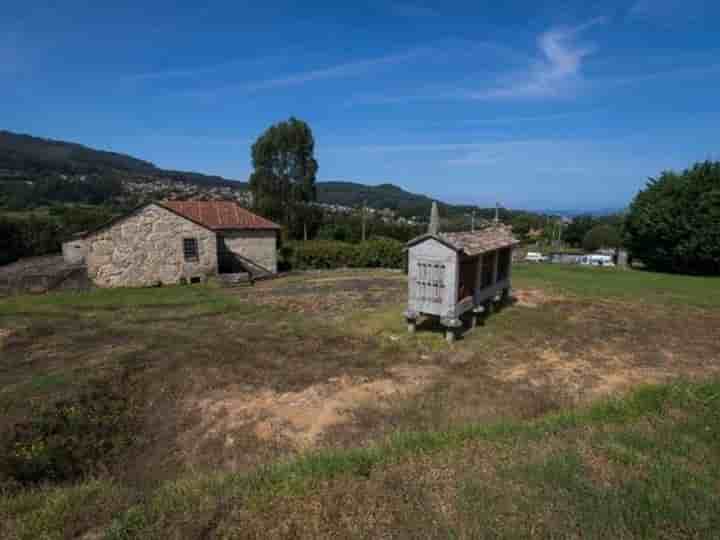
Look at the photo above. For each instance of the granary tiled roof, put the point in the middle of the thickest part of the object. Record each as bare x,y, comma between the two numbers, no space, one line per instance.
219,215
490,238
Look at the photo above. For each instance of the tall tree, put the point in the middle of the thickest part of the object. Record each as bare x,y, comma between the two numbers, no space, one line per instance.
601,236
674,223
284,165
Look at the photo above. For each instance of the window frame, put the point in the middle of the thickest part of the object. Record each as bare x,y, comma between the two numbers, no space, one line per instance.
191,249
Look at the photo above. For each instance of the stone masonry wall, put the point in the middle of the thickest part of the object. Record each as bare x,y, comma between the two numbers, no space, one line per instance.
260,246
146,248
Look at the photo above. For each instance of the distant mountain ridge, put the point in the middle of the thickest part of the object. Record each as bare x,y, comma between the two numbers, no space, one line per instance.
35,155
27,157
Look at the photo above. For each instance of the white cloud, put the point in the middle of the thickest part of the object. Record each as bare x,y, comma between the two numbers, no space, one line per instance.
557,73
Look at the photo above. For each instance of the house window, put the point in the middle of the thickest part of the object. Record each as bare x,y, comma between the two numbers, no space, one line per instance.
190,249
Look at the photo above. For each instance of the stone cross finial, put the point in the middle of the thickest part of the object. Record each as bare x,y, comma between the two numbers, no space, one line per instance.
434,226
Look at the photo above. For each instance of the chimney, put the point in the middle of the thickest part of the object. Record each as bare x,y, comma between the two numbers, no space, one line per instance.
434,226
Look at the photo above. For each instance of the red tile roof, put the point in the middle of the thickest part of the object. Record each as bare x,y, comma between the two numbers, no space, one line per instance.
219,215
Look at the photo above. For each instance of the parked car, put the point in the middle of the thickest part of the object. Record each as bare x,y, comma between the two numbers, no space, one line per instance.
534,256
597,260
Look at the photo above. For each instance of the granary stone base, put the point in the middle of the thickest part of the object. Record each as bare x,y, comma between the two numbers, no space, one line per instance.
146,248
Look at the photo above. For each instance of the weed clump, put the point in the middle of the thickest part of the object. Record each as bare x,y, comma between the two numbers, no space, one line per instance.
72,438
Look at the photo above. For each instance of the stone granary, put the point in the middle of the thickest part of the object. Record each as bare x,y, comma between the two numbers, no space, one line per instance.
175,242
453,274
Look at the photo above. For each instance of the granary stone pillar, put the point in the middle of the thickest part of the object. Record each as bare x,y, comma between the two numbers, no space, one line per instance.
451,325
434,226
411,318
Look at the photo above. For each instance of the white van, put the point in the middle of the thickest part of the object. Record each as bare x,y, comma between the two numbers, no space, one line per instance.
534,256
597,260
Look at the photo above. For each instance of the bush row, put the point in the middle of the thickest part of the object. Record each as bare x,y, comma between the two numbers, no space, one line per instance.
378,252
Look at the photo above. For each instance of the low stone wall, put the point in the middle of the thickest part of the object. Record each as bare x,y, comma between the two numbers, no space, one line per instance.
260,246
146,248
42,274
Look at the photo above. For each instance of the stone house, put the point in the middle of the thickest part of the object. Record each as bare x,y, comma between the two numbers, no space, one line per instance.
175,241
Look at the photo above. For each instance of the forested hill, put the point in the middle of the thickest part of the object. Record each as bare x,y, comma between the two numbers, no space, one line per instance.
25,155
380,196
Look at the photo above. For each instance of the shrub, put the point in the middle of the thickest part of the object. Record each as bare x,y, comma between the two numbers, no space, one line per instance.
601,236
72,438
321,254
377,252
340,233
674,223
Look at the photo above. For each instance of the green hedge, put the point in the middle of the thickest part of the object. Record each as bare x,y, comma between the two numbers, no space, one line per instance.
378,252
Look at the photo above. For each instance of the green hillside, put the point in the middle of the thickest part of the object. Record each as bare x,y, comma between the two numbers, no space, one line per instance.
383,196
24,157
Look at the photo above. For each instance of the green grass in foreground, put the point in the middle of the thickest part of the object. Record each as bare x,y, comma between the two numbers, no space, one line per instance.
623,284
646,466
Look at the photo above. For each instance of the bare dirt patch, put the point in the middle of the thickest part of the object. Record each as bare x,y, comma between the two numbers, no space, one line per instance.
584,375
534,297
301,418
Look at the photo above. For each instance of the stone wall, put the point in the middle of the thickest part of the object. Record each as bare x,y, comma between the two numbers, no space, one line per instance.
146,248
74,251
260,246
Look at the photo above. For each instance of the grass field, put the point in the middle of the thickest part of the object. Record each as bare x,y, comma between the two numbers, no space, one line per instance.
300,408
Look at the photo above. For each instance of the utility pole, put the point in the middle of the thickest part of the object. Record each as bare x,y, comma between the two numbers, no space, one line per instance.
364,219
472,226
560,233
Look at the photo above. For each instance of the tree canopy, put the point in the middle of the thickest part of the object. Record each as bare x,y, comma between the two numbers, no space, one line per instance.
284,170
674,223
601,236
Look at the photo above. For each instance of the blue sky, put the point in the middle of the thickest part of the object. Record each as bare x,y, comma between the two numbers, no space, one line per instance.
534,104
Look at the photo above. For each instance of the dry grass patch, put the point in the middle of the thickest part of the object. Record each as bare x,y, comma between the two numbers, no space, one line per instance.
301,418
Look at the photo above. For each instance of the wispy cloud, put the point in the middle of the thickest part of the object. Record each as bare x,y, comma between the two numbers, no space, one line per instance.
195,71
679,73
421,147
659,8
535,118
195,140
411,10
349,69
548,155
338,71
178,73
556,73
667,12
